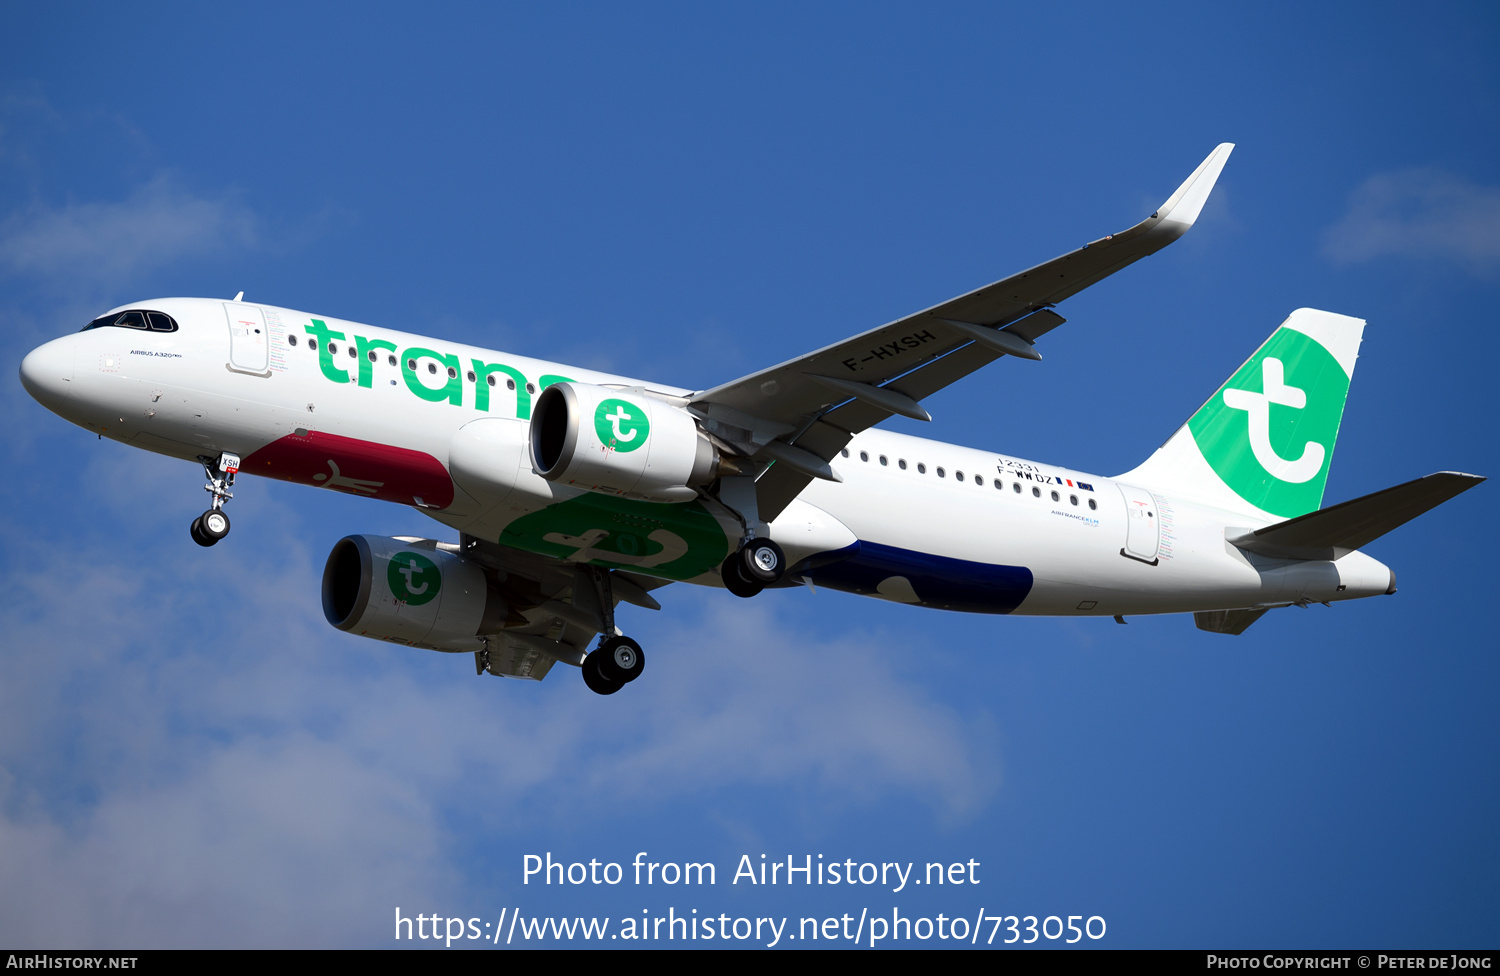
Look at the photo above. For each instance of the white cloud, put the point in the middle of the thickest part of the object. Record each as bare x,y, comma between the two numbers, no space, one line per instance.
1420,213
106,242
190,756
288,843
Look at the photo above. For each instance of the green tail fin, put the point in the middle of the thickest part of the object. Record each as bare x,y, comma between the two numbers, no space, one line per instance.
1264,442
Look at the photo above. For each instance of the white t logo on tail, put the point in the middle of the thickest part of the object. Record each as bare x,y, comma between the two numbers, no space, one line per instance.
1258,406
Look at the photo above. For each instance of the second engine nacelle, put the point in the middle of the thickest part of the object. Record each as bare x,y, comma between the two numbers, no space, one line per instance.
409,592
619,443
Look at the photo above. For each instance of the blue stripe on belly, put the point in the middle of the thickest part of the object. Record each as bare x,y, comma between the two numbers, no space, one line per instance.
939,581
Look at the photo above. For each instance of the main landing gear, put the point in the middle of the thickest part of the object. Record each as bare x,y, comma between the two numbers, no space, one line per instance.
617,660
754,566
612,665
213,524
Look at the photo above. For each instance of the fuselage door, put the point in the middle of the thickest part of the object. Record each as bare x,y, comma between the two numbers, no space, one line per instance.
249,342
1142,525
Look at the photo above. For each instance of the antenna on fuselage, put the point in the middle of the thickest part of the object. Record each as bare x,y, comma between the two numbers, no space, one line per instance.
239,296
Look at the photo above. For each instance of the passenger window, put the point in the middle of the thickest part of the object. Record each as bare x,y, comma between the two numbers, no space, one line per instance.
1036,492
333,347
452,373
1017,487
883,461
529,388
411,364
979,481
312,344
864,455
1056,497
921,468
291,340
1073,499
901,464
353,354
470,376
844,452
1092,504
391,361
432,368
959,475
941,473
509,384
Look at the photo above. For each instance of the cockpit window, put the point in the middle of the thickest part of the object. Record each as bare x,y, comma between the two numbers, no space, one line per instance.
135,319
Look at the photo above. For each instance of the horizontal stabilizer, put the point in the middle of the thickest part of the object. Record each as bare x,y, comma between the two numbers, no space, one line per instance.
1336,531
1227,621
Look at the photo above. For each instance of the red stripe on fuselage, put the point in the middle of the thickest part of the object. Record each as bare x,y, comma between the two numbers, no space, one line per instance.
363,468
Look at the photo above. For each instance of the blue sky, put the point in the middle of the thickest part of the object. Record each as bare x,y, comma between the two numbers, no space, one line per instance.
189,755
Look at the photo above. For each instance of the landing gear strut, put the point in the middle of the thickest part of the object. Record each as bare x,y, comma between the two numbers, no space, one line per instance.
617,660
754,566
213,525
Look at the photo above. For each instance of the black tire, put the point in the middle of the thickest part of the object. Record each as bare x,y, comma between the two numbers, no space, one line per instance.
597,683
197,533
214,524
763,561
620,659
734,578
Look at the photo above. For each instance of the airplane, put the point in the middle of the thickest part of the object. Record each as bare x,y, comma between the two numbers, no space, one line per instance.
574,490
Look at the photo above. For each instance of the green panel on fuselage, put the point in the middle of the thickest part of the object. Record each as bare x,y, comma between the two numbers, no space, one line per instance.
671,541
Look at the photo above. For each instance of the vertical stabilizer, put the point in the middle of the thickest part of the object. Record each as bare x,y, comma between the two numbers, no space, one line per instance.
1262,444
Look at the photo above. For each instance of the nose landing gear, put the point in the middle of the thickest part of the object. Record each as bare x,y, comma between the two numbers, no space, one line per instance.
213,525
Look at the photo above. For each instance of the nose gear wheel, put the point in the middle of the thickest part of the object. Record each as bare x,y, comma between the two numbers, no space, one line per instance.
213,525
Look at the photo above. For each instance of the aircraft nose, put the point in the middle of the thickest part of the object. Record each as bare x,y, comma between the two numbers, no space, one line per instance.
47,372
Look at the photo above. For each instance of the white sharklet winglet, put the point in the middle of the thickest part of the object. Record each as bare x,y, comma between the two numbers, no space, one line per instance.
1182,208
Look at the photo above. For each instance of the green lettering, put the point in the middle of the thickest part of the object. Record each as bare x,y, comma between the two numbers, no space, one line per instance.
482,373
320,331
366,364
548,379
452,390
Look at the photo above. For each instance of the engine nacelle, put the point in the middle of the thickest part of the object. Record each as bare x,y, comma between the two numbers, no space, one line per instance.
619,443
411,592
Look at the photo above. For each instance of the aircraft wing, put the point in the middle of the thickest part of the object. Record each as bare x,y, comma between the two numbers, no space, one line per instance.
801,413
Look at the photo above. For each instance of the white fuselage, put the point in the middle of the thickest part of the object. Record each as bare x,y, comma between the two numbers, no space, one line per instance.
913,520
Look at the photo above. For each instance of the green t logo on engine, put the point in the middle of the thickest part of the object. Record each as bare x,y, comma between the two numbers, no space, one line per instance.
414,579
621,426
